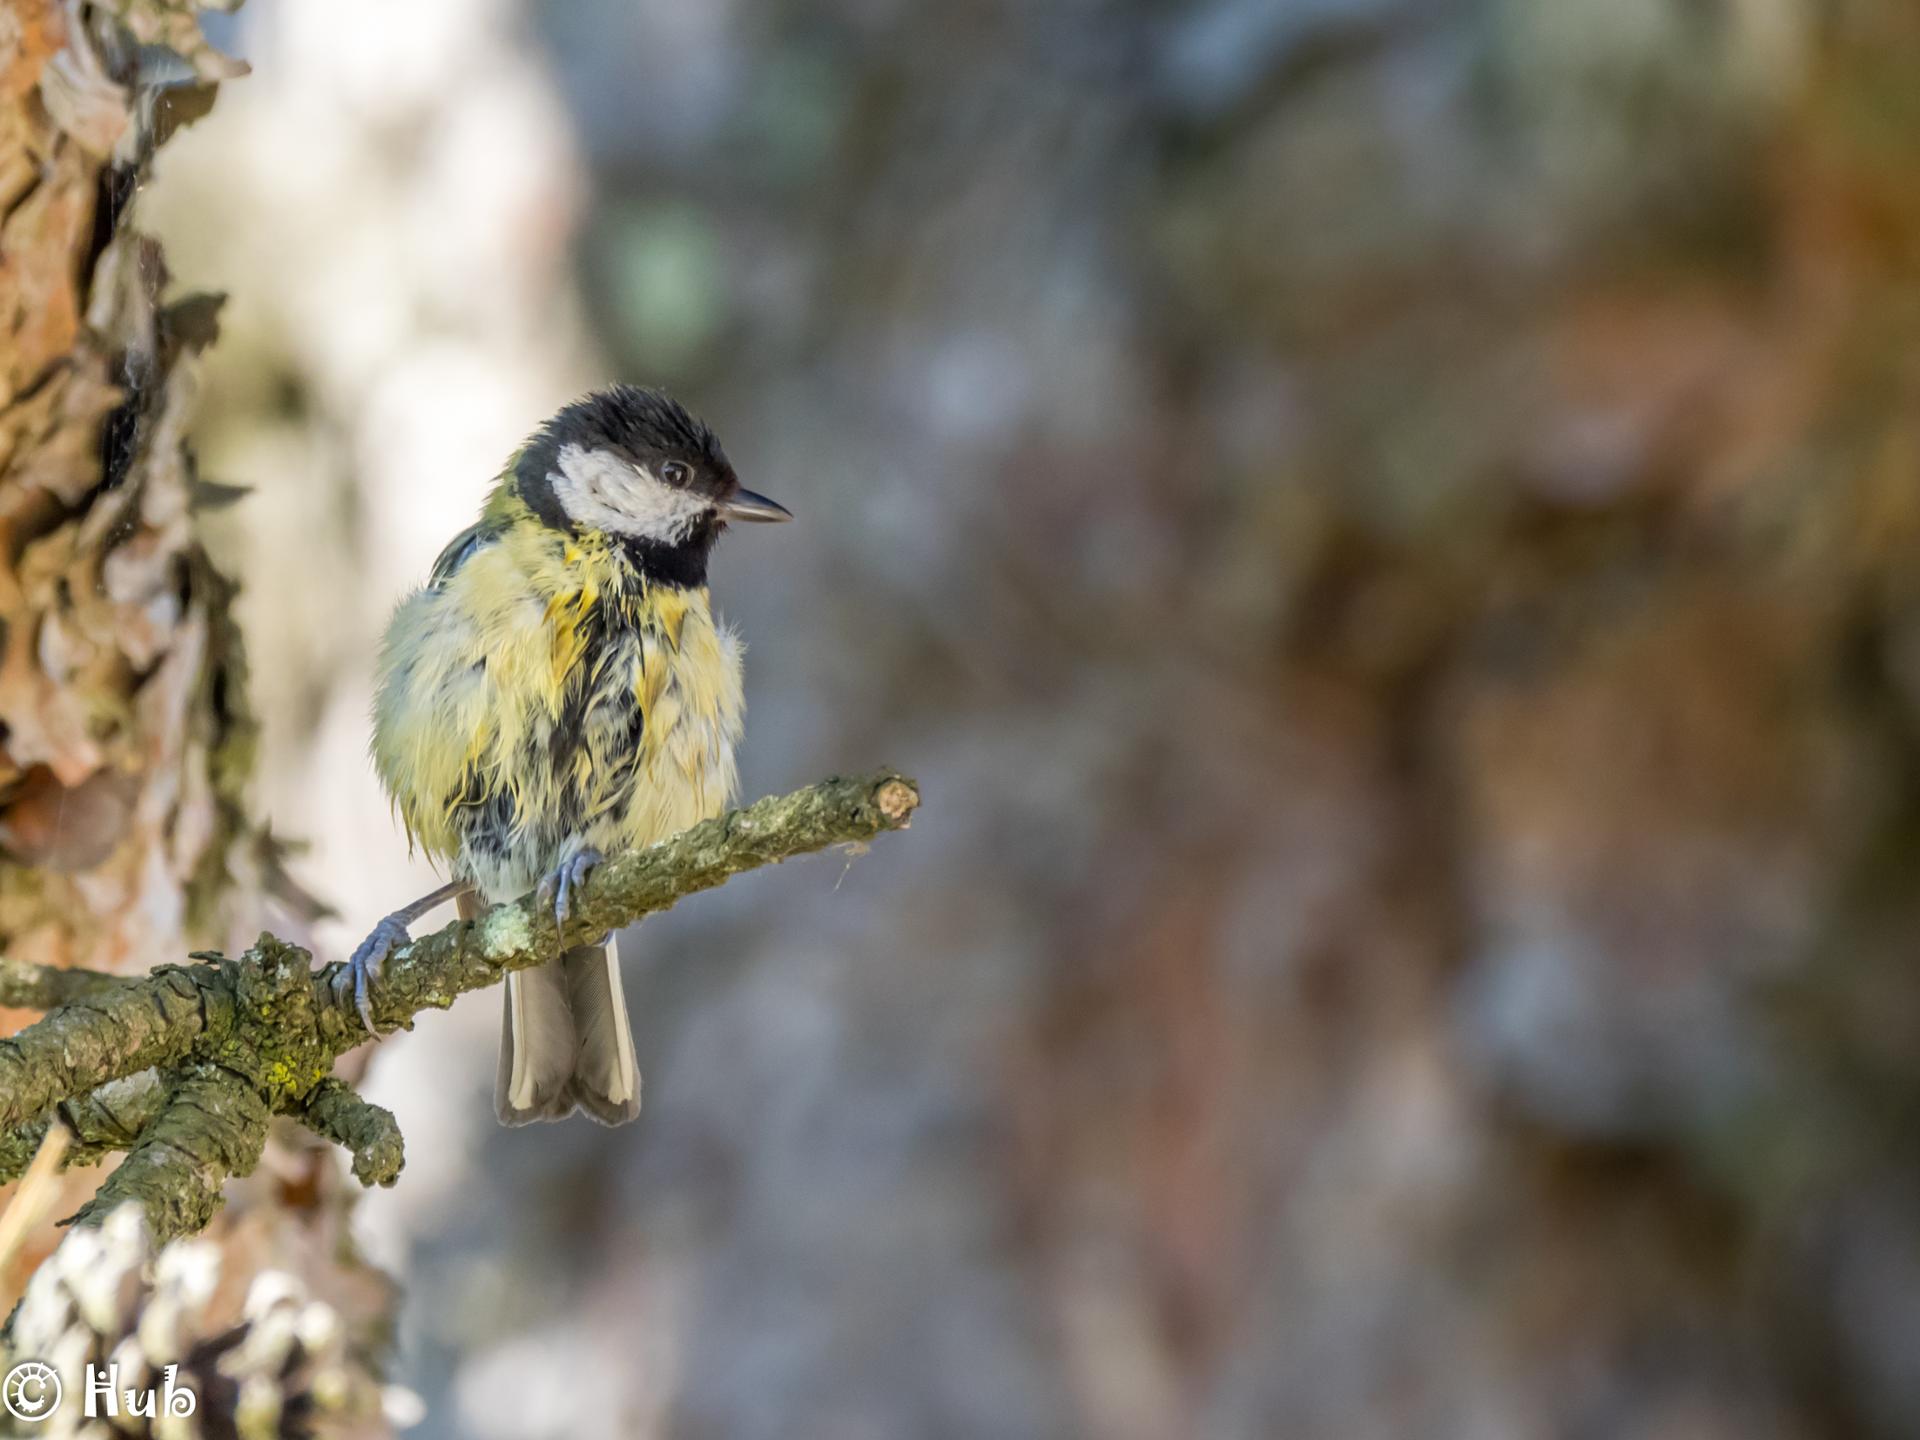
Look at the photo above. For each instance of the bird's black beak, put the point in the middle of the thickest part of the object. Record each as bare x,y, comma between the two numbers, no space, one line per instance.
746,505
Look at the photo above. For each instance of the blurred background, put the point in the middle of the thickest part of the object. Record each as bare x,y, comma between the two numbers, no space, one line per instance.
1387,530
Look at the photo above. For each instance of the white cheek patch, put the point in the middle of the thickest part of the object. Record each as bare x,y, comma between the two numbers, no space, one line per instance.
604,492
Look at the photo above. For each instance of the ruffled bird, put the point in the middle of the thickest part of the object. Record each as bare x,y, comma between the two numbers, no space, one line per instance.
560,691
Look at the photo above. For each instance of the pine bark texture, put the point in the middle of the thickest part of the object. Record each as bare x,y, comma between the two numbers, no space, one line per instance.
127,740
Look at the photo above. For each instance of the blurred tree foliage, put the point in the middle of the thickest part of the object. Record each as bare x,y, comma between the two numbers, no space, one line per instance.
1404,521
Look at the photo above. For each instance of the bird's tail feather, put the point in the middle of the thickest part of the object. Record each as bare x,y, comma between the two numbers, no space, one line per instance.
565,1040
606,1078
537,1047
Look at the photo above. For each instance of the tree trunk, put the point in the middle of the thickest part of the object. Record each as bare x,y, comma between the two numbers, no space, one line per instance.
128,743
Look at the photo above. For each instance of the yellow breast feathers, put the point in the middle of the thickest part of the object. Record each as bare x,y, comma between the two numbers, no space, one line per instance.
541,696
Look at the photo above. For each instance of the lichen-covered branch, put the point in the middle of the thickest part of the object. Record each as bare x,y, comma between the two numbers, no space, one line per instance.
210,1127
366,1131
139,1024
239,1041
103,1120
433,971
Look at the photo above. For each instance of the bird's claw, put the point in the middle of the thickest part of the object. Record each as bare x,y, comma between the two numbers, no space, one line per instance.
557,889
366,963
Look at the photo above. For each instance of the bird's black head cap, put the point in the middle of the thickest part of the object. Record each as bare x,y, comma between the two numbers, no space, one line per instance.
633,462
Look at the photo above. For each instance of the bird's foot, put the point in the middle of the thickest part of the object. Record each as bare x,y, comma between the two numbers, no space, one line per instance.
366,963
557,889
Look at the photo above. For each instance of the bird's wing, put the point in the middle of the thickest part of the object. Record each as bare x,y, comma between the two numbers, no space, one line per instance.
448,711
459,550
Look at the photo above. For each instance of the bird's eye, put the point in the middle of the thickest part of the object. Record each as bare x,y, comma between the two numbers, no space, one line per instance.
674,473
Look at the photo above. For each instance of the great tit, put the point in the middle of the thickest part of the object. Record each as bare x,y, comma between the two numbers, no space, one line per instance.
559,691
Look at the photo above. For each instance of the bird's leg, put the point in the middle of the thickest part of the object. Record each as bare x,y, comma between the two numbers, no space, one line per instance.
557,889
364,966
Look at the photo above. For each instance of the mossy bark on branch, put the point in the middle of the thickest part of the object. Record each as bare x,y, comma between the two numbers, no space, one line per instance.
213,1125
142,1023
241,1040
103,1120
433,971
366,1131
